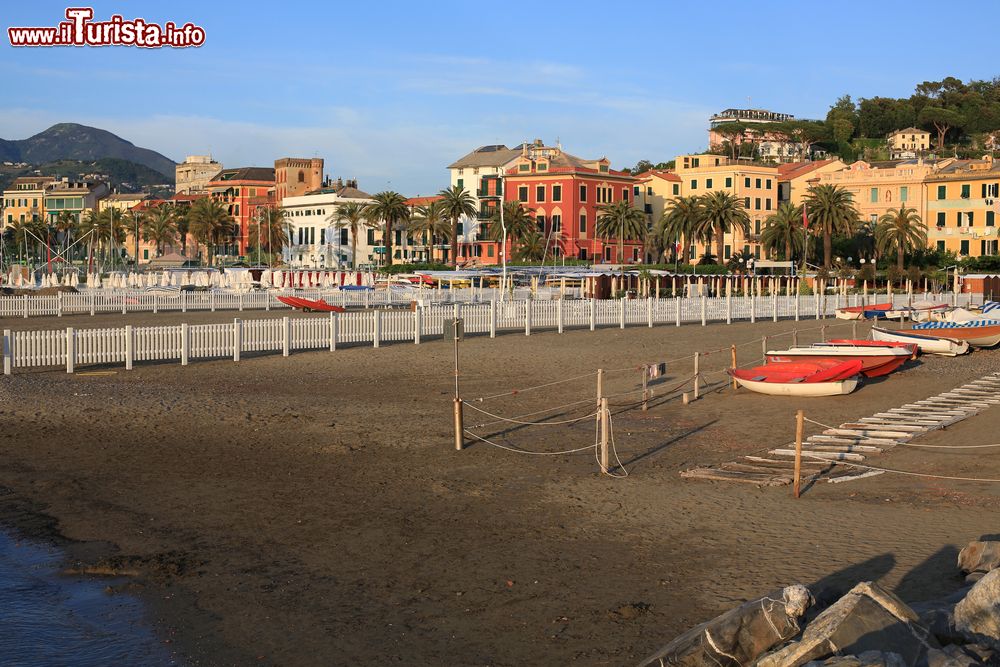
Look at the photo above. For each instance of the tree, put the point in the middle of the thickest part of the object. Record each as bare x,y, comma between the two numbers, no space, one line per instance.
429,221
159,225
621,220
391,208
682,221
901,230
724,213
783,232
531,247
209,222
734,132
641,166
350,215
456,203
518,221
941,119
65,224
274,230
842,119
830,208
805,133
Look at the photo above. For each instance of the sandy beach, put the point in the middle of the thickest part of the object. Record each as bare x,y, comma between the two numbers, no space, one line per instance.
311,510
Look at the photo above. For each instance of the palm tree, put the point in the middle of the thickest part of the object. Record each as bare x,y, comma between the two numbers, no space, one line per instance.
531,247
900,229
88,226
783,231
209,222
682,220
430,223
621,220
456,203
182,216
25,232
391,208
111,231
352,216
159,225
831,209
274,230
517,220
724,213
65,223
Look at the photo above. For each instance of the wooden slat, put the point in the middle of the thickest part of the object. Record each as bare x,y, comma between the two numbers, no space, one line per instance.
868,433
851,440
834,447
832,456
876,426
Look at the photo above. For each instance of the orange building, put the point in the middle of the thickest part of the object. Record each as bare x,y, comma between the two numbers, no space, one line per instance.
243,191
294,177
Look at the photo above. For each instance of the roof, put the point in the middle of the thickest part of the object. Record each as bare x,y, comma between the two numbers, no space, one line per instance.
260,174
126,196
423,201
343,191
188,196
910,130
968,169
792,170
664,174
496,155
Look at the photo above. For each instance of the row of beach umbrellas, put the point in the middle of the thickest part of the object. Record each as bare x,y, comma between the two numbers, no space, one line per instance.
239,279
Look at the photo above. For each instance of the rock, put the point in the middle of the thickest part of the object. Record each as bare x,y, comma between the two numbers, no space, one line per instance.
977,616
867,618
866,659
740,635
973,577
951,656
979,557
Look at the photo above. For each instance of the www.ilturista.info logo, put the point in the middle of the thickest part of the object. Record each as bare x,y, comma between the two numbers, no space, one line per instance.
81,30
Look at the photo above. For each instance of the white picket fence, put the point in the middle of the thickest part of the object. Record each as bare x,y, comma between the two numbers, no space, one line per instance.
125,345
139,301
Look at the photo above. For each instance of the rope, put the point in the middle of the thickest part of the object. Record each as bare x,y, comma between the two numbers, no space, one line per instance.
524,451
530,414
913,444
524,423
903,472
538,386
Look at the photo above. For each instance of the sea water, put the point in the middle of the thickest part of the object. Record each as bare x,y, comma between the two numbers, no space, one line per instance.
47,618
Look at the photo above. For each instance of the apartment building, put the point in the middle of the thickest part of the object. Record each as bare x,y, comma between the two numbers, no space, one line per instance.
772,146
795,178
653,192
193,175
243,191
73,196
24,200
315,240
480,173
962,204
908,143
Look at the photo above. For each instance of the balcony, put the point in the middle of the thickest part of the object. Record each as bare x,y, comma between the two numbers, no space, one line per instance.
486,212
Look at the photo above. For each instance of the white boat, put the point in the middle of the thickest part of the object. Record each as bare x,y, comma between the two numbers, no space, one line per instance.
839,388
928,344
978,333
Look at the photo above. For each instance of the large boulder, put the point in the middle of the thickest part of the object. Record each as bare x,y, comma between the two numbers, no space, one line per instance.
866,659
867,618
951,656
979,557
977,616
740,635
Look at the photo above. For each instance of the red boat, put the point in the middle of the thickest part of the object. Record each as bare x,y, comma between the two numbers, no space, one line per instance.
912,347
875,361
309,305
801,378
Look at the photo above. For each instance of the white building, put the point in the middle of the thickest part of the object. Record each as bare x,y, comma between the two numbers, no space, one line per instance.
315,240
474,172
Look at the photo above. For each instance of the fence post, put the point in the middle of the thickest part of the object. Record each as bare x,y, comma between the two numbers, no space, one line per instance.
286,336
704,309
129,346
267,301
753,308
797,297
155,303
729,307
70,350
697,374
621,313
818,298
92,304
185,344
527,317
25,297
493,318
799,418
240,296
649,312
59,304
8,352
677,303
237,338
593,313
124,305
774,306
559,315
732,353
211,301
605,428
184,302
418,323
376,327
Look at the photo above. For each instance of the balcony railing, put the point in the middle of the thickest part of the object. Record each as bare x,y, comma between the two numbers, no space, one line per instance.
486,212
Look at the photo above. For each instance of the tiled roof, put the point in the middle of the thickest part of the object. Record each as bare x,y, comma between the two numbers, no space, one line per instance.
423,201
790,170
664,174
264,174
126,196
487,156
910,130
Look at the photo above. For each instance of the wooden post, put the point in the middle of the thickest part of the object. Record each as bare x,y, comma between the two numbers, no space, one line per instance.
237,338
211,301
93,305
677,300
559,314
753,307
417,324
155,303
184,303
822,333
649,312
799,419
621,312
763,348
797,299
593,313
527,317
25,300
795,337
185,343
129,346
732,364
600,386
774,304
704,308
70,350
59,304
729,305
697,374
334,324
854,329
493,318
645,388
8,352
376,327
286,335
605,429
459,425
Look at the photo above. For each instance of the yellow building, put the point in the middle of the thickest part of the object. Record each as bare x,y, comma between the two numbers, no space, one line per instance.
655,189
795,178
24,200
755,185
908,142
963,203
123,202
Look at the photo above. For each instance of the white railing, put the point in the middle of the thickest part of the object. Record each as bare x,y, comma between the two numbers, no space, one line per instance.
125,345
139,301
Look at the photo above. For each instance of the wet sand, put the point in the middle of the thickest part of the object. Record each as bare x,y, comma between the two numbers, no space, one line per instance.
312,510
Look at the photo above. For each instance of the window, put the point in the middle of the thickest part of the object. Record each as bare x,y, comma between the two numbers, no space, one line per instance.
746,202
746,182
460,228
489,250
958,218
524,167
756,227
371,237
965,190
583,193
873,195
556,193
145,253
727,252
322,236
756,183
708,183
343,236
540,221
767,204
756,203
539,193
969,218
556,223
624,194
729,181
302,176
677,188
649,190
603,168
635,190
768,184
942,192
940,246
583,224
990,218
964,247
940,219
648,208
904,193
398,237
694,184
543,166
461,183
522,193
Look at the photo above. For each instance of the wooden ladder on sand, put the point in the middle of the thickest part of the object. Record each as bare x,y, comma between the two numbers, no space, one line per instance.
855,441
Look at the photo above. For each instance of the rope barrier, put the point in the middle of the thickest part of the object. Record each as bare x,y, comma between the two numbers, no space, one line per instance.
903,472
531,414
524,451
914,444
537,386
524,423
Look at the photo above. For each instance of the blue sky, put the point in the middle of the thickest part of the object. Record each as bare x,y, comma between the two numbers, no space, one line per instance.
391,92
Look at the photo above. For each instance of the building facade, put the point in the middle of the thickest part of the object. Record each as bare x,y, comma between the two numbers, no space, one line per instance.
294,177
771,146
908,143
795,178
315,240
193,175
480,173
962,204
244,192
24,200
76,197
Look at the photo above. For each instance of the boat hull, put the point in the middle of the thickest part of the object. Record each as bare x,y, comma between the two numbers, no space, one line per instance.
975,335
838,388
928,343
875,361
